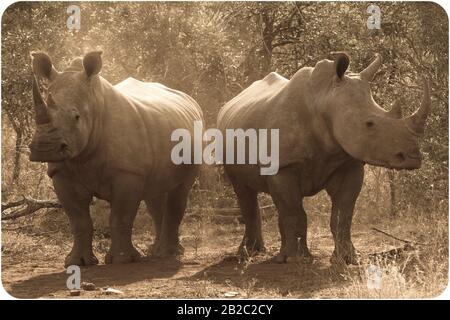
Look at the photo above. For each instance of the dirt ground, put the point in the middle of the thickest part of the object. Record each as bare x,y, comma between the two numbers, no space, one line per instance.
33,252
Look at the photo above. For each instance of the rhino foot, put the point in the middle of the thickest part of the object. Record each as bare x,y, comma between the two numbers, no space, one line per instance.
301,256
250,248
160,250
303,259
129,256
345,255
80,259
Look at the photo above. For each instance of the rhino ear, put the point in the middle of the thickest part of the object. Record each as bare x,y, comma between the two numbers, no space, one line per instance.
92,63
42,65
341,62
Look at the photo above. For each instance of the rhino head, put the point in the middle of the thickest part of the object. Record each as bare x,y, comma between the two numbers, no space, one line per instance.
360,126
64,121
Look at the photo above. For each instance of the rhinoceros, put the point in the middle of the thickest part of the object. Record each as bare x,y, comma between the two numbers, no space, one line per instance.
329,128
112,142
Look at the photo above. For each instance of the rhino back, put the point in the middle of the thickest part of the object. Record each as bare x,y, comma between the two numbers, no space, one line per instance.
137,126
156,98
248,109
275,103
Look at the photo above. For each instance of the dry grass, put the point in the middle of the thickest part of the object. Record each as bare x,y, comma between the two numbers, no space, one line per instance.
32,258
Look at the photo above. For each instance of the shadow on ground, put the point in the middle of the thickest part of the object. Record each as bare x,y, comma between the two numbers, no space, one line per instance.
261,275
295,279
102,275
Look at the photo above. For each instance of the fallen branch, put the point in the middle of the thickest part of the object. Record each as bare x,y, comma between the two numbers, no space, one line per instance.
16,228
236,211
393,253
27,206
231,211
267,206
218,218
11,204
396,238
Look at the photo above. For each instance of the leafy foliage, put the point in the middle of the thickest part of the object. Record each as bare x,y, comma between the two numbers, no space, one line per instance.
212,50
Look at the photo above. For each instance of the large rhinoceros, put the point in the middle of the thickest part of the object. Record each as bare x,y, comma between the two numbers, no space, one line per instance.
329,127
114,143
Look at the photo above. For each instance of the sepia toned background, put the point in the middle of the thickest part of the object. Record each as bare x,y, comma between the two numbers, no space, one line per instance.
212,51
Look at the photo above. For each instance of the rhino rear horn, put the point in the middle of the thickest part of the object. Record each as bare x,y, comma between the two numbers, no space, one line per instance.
369,73
396,110
40,108
416,121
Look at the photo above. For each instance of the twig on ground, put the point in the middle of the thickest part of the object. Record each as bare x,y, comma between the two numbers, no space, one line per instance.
19,228
399,239
230,211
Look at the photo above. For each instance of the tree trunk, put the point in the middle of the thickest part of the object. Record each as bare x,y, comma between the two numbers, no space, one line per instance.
17,157
267,45
393,193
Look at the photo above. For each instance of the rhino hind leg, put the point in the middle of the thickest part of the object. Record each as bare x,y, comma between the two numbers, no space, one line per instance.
126,197
75,201
252,241
156,207
167,243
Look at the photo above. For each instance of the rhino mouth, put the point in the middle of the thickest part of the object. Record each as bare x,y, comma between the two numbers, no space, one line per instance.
400,162
52,154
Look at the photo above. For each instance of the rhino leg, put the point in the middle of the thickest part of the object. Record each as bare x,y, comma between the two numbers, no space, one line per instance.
252,241
156,207
169,242
285,191
75,201
125,199
344,188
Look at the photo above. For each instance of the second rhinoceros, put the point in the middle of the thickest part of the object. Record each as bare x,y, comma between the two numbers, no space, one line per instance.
329,127
114,143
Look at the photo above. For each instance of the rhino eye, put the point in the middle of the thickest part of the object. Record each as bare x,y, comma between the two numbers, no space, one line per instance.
77,117
369,124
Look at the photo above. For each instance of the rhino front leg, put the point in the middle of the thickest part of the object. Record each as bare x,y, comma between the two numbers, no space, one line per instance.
75,200
285,191
344,188
125,199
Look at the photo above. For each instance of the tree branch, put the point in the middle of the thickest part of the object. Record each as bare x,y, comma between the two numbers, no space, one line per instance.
27,206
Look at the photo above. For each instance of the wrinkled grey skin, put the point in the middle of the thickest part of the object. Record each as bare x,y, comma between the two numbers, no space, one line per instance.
112,142
330,126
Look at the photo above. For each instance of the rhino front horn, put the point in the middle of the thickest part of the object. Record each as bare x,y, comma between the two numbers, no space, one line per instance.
40,107
369,73
416,121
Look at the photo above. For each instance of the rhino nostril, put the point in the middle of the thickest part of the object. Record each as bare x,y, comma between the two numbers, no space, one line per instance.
370,124
400,156
63,146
